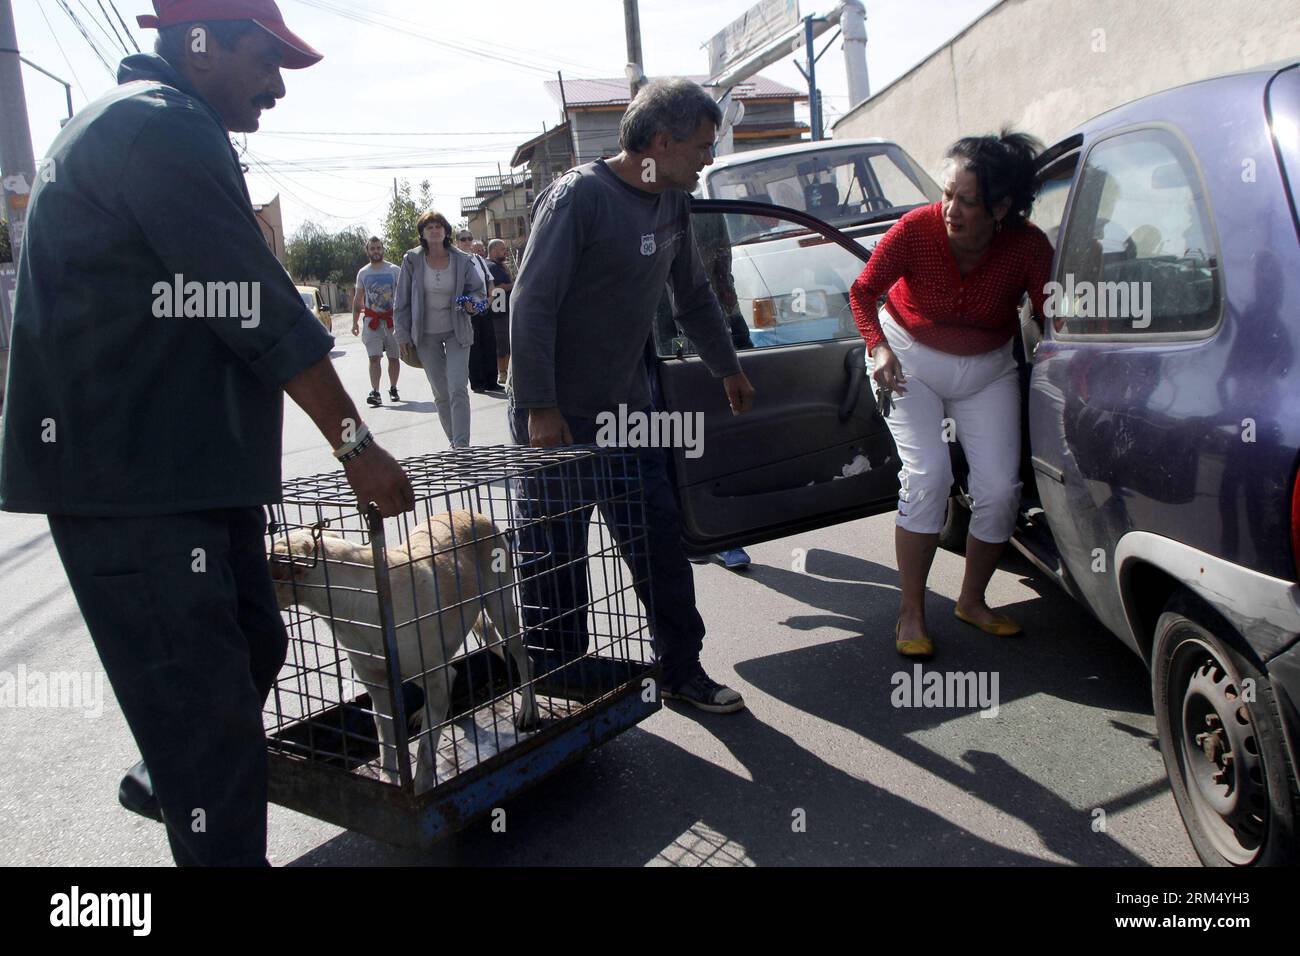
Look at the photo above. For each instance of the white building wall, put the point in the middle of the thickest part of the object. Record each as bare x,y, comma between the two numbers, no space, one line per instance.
1045,66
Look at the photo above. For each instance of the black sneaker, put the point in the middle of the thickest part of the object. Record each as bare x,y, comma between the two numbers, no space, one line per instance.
374,400
392,394
706,694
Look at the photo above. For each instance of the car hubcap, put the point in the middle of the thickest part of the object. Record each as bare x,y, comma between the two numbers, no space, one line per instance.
1220,749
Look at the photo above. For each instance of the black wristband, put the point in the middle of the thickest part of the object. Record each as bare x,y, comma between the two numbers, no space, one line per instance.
360,447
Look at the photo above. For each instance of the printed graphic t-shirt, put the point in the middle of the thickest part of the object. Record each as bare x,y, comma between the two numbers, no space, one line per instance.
378,285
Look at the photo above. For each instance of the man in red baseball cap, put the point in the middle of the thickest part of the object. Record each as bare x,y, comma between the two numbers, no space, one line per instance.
171,13
231,51
150,431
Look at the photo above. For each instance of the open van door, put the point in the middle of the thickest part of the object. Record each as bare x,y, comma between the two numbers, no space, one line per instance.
814,450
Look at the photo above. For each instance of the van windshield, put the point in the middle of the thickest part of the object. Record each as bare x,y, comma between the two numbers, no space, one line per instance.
841,185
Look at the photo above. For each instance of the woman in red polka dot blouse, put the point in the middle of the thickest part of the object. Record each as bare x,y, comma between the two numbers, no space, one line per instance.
953,273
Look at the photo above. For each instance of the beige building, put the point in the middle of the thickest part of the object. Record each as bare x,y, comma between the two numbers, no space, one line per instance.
272,225
1045,66
500,208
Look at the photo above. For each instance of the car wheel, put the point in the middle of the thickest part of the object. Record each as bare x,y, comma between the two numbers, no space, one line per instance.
952,536
1221,739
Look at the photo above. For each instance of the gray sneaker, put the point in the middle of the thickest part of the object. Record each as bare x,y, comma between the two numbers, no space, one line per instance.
706,694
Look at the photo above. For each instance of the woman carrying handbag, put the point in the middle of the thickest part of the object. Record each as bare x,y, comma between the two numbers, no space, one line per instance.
438,291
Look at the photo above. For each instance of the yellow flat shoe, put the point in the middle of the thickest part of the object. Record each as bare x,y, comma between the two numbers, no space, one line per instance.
1002,625
917,647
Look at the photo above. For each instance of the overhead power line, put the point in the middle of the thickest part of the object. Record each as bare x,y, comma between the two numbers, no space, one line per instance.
75,79
125,28
81,28
108,40
113,27
352,132
410,28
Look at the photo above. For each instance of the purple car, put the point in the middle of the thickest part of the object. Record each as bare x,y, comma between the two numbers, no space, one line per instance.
1162,416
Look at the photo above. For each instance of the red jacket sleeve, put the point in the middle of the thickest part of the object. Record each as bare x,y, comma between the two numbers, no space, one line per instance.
886,266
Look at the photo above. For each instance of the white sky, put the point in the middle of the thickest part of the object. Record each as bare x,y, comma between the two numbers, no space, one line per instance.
469,75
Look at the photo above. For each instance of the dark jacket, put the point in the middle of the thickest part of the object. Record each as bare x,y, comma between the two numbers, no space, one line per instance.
114,407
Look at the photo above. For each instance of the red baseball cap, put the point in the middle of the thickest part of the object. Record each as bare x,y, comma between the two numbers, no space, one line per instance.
297,52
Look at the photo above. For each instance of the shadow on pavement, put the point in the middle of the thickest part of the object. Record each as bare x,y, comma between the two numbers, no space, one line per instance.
642,799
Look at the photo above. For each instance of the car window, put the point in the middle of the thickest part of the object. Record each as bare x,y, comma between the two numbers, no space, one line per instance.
1139,254
789,289
841,185
309,300
1053,191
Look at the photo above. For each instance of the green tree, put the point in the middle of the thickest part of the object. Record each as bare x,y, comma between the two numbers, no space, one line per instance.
6,251
348,254
309,253
403,213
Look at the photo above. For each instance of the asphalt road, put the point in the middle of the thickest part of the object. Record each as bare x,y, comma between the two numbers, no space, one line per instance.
821,769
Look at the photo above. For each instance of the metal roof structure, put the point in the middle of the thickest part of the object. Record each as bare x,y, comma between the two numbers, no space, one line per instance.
483,185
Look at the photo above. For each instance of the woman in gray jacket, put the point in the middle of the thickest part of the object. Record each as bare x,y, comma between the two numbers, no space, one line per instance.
430,325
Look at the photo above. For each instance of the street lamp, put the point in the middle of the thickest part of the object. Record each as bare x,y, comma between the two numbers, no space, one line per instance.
67,88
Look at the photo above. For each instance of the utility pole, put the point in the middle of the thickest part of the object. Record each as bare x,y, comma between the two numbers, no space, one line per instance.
635,68
814,103
812,26
17,165
564,108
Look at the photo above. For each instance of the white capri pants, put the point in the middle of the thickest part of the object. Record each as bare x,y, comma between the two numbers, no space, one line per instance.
974,399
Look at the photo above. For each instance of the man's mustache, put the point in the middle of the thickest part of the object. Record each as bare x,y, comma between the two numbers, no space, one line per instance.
265,101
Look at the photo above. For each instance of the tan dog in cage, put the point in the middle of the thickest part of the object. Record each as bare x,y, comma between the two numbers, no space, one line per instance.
453,575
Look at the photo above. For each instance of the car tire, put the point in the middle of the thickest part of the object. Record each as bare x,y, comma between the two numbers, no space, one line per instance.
956,525
1225,755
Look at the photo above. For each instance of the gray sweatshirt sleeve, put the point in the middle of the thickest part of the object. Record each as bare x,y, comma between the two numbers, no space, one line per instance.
696,310
548,266
402,304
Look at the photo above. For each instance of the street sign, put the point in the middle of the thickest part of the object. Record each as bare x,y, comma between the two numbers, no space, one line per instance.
757,27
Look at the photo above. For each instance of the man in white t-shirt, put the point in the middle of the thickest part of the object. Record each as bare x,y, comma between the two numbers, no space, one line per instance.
376,286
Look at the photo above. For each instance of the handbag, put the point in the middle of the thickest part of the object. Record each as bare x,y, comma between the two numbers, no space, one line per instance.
412,358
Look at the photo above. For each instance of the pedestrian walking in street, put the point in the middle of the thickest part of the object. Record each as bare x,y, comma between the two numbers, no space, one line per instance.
155,446
376,287
941,347
499,303
432,312
483,353
581,314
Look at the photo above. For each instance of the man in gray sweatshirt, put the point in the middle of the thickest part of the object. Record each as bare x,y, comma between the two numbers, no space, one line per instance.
606,239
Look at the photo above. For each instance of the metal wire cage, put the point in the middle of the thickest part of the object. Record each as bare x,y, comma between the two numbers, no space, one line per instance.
431,651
